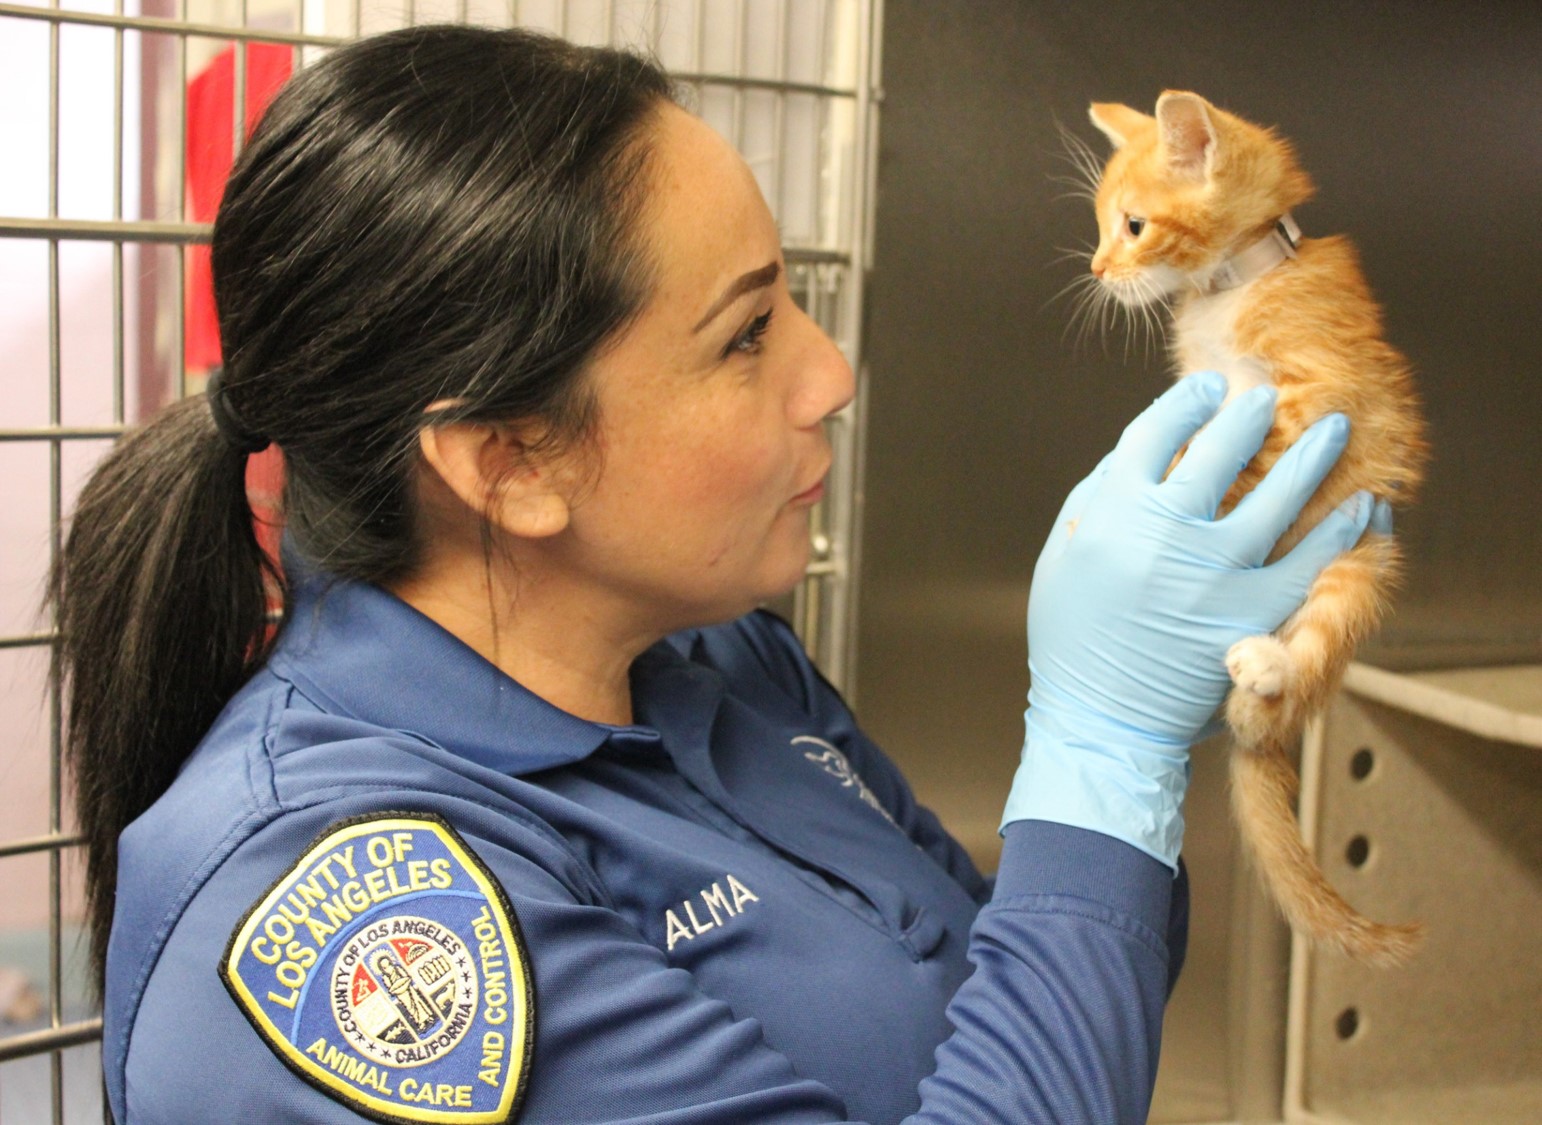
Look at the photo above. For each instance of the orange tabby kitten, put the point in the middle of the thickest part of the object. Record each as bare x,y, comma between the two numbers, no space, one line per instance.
1194,213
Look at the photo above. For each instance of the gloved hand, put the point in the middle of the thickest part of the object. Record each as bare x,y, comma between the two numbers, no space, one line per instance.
1130,617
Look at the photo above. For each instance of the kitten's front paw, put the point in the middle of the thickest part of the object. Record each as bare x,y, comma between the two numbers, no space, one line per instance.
1260,665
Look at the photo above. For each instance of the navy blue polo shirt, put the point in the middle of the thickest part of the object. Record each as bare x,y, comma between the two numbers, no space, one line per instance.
391,884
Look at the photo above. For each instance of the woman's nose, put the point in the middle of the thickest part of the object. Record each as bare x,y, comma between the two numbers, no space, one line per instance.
827,382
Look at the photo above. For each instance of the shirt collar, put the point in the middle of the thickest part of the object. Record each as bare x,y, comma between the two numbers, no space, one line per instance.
361,652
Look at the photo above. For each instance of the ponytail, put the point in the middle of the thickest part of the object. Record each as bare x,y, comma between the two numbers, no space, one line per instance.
161,597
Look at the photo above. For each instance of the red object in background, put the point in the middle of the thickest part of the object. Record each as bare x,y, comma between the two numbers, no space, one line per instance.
210,115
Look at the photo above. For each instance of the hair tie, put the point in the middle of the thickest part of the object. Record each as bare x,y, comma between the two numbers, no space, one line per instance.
227,421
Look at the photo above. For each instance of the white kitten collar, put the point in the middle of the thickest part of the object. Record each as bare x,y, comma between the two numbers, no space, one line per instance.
1254,261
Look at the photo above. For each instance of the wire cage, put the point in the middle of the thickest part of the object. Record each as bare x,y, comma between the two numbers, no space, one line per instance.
121,118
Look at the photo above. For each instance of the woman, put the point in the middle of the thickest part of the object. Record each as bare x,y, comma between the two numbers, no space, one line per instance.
524,811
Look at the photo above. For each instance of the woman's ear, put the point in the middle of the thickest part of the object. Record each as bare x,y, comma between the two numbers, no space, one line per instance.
489,467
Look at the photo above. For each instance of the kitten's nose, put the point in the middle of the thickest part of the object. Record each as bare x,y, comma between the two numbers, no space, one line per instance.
1099,267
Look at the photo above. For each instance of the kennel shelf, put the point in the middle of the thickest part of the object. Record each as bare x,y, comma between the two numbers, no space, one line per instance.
1422,796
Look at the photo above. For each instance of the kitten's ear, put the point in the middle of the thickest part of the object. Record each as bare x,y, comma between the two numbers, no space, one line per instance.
1117,122
1188,133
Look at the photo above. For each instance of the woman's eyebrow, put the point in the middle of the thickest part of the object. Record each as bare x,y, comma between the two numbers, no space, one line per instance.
755,279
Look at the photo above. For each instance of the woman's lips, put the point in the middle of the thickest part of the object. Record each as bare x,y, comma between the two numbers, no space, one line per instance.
811,495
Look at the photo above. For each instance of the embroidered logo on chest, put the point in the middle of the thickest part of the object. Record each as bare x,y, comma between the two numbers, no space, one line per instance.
836,765
387,969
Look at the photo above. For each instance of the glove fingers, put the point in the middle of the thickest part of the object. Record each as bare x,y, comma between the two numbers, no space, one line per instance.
1221,451
1262,516
1340,530
1149,444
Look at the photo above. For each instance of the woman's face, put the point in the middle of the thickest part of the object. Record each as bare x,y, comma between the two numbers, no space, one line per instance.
709,450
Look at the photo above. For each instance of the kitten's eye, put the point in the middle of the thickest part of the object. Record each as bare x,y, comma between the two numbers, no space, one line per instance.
1134,225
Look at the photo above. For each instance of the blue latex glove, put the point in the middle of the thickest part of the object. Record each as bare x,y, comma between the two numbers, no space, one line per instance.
1130,618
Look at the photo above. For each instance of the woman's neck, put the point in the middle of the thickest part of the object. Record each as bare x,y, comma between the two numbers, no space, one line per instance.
546,637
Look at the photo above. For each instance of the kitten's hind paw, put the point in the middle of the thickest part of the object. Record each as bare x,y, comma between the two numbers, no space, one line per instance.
1260,665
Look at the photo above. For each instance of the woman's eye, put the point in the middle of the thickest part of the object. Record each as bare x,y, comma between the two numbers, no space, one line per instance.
1134,225
748,341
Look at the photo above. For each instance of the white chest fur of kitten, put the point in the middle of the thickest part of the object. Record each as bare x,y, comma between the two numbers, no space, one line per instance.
1203,340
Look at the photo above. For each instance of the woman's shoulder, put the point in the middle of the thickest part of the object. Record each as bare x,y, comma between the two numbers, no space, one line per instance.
275,771
286,826
275,930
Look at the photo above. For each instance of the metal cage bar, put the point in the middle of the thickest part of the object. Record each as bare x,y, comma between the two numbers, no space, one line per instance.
55,485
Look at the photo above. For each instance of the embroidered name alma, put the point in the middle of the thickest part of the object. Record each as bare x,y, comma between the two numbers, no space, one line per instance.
718,908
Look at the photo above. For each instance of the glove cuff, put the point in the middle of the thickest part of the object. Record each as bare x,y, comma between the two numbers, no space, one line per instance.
1092,773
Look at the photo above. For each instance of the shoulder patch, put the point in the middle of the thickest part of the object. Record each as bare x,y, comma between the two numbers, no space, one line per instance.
387,969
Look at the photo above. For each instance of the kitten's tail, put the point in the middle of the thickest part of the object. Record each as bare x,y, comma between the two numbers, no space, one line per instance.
1263,788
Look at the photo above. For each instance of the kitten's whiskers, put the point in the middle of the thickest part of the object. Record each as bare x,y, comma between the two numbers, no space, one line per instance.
1086,168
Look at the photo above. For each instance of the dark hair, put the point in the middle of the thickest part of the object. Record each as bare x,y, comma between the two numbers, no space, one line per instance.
440,213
